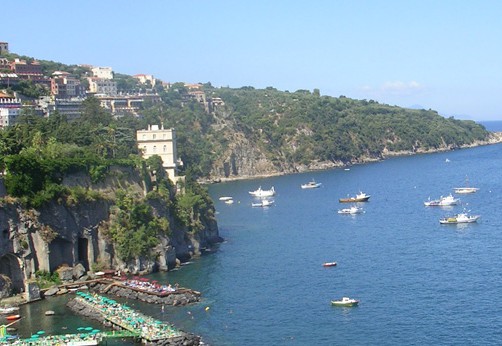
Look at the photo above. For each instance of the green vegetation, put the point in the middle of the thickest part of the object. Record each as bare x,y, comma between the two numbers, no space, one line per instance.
46,279
193,206
301,127
134,228
287,127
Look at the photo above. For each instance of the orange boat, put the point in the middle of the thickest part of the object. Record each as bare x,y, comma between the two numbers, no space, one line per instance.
329,264
13,317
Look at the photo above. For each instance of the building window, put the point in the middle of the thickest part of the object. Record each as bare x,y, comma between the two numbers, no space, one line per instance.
164,148
154,136
144,149
144,136
154,149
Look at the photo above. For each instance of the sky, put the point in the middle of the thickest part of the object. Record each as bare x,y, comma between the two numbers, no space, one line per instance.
443,55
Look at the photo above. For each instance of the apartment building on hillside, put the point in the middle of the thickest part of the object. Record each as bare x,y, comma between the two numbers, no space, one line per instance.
64,86
102,72
102,86
162,142
10,109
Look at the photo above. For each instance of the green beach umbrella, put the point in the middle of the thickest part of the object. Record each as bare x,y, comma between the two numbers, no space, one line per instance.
41,332
89,328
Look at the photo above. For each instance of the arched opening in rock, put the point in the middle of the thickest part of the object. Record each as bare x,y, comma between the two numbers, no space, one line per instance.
60,252
83,252
10,265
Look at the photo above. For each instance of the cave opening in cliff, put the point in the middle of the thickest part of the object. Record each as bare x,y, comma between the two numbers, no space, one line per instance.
60,253
10,266
83,251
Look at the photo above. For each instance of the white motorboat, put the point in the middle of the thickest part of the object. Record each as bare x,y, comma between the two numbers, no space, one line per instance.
311,185
345,302
466,189
459,218
8,310
229,201
263,203
225,198
263,193
442,201
352,210
360,197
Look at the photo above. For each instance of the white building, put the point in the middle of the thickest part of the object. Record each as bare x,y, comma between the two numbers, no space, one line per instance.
10,108
102,72
144,78
162,142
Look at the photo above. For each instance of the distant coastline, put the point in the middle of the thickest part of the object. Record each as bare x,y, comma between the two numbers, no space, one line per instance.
495,138
492,125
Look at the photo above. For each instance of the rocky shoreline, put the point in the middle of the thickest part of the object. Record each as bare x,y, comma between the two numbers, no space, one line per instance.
179,297
494,138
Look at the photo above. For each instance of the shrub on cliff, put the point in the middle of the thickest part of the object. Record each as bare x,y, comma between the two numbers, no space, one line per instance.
134,229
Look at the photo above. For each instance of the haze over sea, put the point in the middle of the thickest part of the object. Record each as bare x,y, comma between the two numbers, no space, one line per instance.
419,282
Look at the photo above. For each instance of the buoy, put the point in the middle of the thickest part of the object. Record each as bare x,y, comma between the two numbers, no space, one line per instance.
207,308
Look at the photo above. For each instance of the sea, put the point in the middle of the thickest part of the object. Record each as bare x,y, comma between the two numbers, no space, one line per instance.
418,282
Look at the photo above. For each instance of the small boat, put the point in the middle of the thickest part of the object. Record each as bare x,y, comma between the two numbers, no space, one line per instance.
264,203
311,185
442,201
13,317
345,301
8,310
459,218
466,189
352,210
225,198
263,193
360,197
329,264
229,201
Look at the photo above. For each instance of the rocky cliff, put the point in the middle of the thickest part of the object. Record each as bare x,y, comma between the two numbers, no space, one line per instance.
249,156
62,234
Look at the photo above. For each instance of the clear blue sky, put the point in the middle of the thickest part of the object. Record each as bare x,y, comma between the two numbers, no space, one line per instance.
445,55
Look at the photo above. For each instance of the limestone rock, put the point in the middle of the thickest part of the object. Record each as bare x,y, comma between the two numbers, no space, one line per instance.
51,291
78,271
65,273
5,286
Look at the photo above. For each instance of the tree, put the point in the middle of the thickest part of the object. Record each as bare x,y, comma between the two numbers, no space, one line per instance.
93,113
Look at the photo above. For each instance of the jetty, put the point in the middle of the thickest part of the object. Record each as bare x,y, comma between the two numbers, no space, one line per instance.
121,317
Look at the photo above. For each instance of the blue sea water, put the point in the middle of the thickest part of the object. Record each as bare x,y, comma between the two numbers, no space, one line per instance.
419,282
494,125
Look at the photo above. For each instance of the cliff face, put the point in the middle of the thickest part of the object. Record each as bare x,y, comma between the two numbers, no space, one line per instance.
245,157
59,234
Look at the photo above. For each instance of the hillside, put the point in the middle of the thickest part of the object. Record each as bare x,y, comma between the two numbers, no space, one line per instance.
267,131
254,132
